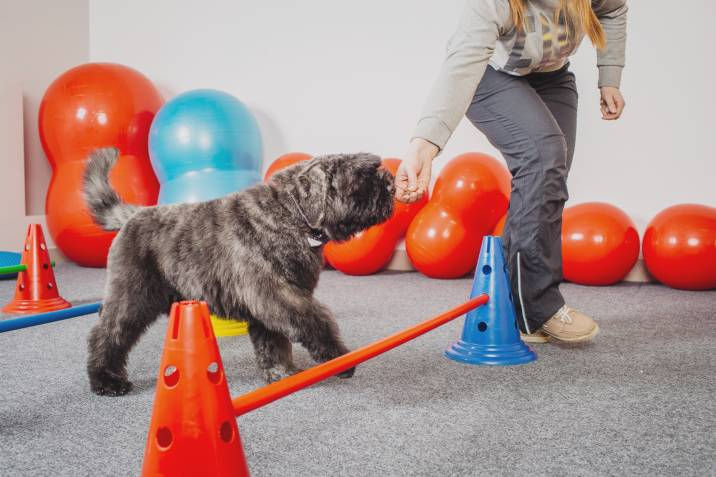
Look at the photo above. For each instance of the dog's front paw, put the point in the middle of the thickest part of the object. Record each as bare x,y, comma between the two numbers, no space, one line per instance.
106,384
348,373
277,373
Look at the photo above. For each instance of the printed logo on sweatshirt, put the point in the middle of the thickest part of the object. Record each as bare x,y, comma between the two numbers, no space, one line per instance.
555,44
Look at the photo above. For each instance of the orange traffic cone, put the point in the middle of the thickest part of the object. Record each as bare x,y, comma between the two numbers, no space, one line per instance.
193,430
36,289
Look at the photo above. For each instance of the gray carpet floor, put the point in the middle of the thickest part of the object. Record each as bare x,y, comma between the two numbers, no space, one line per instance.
639,400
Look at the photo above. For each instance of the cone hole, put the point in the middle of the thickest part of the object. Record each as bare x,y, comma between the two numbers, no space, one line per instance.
45,266
21,287
487,269
482,326
27,246
213,372
510,295
226,432
164,437
175,328
171,376
42,246
50,285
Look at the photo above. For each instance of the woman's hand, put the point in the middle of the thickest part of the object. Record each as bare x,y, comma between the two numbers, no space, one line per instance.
413,177
612,103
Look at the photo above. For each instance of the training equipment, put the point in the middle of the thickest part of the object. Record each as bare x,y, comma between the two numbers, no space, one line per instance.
600,244
491,334
90,106
500,227
470,196
7,260
204,144
679,247
262,396
193,430
367,252
225,328
36,289
49,317
370,250
285,161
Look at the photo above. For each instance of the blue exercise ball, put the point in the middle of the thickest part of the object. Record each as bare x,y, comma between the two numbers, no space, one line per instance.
204,144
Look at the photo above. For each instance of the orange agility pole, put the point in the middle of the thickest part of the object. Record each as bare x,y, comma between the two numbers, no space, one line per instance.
267,394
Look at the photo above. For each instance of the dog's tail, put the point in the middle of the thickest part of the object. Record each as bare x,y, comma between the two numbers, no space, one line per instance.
105,206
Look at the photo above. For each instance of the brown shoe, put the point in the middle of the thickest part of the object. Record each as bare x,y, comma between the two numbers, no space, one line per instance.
538,336
571,326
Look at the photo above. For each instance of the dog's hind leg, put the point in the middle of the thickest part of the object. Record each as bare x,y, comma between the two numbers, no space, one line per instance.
128,309
273,352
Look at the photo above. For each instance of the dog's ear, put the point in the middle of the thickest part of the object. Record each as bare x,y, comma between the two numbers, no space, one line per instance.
312,185
312,181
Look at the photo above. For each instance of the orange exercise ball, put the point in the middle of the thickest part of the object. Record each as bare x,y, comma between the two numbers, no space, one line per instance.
600,244
90,106
680,247
285,161
477,187
471,195
439,245
367,252
370,251
500,227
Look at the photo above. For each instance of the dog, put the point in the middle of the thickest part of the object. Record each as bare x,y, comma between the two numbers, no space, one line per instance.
254,255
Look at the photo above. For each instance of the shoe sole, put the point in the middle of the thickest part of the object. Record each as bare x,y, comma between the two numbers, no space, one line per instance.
536,339
578,339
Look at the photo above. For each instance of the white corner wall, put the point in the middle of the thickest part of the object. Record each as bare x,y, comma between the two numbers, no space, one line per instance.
39,39
326,76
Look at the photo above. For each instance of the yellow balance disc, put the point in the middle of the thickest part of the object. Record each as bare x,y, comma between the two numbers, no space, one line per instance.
223,327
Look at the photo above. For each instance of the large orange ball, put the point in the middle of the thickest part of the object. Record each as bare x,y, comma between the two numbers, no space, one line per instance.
285,161
680,247
90,106
370,251
439,245
477,187
367,252
600,244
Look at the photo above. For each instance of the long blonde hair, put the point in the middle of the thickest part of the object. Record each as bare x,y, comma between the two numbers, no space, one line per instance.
579,16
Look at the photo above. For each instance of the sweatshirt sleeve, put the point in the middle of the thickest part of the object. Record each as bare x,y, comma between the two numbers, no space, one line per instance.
612,14
468,53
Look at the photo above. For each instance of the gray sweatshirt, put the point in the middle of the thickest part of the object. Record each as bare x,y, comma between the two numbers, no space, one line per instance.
486,35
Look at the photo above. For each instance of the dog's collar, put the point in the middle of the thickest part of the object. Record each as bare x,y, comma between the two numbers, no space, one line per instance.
316,235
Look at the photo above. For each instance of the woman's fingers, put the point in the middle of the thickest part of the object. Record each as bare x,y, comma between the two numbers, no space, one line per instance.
612,103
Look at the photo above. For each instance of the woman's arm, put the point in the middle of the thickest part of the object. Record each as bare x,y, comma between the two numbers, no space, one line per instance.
612,14
468,53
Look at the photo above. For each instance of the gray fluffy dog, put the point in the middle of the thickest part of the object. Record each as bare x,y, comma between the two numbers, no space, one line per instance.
254,255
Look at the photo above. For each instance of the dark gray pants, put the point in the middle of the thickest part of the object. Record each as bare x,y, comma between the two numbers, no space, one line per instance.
532,120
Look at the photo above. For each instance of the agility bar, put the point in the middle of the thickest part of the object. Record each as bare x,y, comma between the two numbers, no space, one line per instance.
49,317
267,394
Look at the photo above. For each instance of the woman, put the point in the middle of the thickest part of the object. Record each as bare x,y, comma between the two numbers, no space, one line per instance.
507,70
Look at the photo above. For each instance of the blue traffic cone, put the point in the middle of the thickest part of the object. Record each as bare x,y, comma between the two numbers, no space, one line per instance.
491,334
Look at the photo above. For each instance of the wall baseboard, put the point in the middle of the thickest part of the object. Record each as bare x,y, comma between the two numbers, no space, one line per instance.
401,263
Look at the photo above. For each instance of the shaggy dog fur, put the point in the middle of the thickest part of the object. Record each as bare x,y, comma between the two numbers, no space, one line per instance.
247,254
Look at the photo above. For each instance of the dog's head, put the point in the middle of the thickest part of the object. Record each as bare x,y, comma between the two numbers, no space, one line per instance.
342,193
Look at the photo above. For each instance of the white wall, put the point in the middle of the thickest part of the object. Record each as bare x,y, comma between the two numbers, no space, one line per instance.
39,39
338,76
